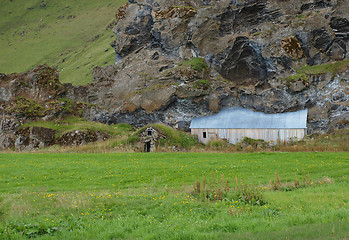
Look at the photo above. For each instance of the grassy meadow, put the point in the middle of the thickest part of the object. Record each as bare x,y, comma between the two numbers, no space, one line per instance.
174,196
69,35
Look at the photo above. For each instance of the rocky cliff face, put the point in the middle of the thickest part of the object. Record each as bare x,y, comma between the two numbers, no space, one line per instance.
182,59
38,95
177,60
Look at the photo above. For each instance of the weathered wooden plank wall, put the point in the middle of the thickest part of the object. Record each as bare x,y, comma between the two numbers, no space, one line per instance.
235,135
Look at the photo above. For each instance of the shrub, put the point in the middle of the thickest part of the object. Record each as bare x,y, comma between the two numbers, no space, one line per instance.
218,145
220,190
250,194
253,143
27,108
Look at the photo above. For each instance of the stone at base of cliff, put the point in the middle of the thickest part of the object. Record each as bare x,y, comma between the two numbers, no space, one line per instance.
78,138
34,138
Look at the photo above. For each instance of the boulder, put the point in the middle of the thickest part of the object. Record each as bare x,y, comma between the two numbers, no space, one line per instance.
339,24
337,50
320,38
244,63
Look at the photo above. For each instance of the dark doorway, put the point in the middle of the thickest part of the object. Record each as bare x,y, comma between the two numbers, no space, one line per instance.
149,133
147,147
204,135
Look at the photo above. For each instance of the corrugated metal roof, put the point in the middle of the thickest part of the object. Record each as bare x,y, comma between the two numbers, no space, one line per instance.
232,118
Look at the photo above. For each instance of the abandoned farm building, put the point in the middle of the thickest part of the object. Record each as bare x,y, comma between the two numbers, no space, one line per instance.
235,123
148,138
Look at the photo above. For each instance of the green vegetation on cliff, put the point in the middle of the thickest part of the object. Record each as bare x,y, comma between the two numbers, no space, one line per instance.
71,124
26,107
305,72
62,107
197,64
70,35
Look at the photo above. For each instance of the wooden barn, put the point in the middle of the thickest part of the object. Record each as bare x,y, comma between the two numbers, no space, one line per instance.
235,123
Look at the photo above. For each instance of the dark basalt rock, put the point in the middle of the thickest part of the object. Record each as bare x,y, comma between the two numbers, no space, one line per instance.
135,32
320,38
246,17
22,141
33,138
244,62
136,118
303,39
44,135
339,24
282,61
340,27
338,50
316,5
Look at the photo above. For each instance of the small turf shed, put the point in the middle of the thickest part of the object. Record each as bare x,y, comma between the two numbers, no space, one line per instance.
148,139
236,123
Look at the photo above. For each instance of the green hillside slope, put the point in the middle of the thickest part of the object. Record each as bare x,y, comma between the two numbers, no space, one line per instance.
70,35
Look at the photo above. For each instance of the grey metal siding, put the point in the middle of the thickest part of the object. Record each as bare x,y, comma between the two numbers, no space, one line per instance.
236,135
240,118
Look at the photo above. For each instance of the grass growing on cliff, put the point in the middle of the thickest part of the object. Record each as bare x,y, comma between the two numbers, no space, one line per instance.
70,35
32,109
26,107
197,64
71,124
305,72
131,196
202,84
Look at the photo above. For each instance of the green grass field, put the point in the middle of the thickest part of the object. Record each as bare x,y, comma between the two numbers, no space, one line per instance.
153,196
70,35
